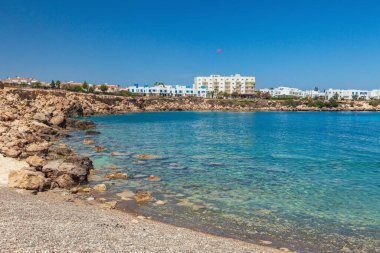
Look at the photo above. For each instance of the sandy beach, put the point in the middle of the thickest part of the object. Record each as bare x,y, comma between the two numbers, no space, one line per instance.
50,222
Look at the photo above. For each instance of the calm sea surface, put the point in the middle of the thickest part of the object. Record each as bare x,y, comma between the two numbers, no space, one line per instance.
306,181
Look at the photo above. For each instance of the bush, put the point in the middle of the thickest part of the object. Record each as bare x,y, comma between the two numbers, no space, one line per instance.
75,88
292,103
125,93
374,102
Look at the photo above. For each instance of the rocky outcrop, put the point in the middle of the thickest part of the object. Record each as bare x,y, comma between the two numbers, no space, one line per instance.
31,120
27,179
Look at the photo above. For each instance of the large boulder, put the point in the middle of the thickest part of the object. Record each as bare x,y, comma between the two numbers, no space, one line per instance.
35,161
26,179
38,147
13,153
58,120
65,181
79,124
77,167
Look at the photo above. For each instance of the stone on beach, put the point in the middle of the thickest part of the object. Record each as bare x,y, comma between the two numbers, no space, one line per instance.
100,187
35,161
65,181
13,153
26,179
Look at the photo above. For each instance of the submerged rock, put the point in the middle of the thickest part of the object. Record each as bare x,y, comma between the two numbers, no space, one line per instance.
91,132
142,196
147,156
99,148
126,195
114,176
154,178
88,142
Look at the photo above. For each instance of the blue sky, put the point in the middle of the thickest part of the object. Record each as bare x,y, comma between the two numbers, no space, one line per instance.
296,43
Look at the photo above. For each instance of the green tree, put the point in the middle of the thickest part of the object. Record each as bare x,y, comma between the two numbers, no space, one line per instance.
355,97
336,96
91,89
36,84
85,86
103,88
52,84
58,84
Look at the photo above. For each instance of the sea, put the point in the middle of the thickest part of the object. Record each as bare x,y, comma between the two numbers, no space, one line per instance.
307,181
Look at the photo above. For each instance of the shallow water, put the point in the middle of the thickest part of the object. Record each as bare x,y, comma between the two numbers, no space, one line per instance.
306,181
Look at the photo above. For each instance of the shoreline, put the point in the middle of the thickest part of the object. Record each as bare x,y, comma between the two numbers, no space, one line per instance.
100,228
103,109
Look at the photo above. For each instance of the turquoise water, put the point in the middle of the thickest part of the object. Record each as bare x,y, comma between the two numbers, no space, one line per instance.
306,181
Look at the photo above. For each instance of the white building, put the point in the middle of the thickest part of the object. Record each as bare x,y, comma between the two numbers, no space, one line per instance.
347,94
207,86
283,92
312,94
162,90
375,94
20,80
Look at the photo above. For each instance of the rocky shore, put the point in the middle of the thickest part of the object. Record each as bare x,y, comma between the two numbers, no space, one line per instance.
32,120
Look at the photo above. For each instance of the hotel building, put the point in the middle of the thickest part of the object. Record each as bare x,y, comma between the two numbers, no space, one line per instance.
207,86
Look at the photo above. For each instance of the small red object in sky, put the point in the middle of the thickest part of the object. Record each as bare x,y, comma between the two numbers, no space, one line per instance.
219,50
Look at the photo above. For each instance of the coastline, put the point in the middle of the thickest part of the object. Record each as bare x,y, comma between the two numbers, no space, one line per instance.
57,222
87,105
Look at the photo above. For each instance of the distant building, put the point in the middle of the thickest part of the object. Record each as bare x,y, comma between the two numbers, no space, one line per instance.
347,94
111,88
283,92
209,86
162,90
375,94
19,81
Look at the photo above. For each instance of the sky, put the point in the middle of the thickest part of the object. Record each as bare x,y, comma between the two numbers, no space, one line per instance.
303,44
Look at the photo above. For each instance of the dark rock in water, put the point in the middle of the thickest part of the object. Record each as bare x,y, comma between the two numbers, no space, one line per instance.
79,124
82,161
61,150
92,132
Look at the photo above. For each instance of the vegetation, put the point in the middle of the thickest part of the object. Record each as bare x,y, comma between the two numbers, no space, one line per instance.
58,84
125,93
103,88
292,103
75,88
374,102
52,84
85,86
